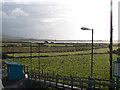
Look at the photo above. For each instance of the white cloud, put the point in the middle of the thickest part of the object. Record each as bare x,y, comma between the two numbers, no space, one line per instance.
18,12
6,16
60,17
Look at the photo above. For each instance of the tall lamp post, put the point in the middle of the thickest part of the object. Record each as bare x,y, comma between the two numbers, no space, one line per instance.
84,28
39,55
39,60
111,31
31,62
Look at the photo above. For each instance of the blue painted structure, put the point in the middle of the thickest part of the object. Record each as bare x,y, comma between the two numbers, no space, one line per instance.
117,75
118,69
14,70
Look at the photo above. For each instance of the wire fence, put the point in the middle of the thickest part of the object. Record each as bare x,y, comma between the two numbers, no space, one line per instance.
71,82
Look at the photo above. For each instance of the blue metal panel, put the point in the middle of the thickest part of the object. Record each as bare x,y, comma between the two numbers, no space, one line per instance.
15,70
116,72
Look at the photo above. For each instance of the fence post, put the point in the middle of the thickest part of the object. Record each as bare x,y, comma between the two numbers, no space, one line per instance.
71,82
80,81
89,82
35,76
111,86
44,78
63,81
42,73
53,76
94,84
47,76
56,80
38,73
39,76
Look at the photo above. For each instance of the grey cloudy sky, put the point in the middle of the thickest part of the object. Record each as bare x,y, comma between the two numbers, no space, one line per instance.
58,19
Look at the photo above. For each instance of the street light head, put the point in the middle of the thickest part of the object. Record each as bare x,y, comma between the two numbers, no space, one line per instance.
84,28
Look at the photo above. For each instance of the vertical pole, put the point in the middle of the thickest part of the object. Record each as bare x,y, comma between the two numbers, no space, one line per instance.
31,56
111,41
39,61
31,62
92,61
71,82
92,57
39,57
13,51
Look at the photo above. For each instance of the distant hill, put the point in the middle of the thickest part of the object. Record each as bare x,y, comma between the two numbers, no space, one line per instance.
8,38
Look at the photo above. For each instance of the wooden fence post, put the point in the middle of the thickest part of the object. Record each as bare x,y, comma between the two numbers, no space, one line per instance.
80,84
39,76
71,82
35,76
56,80
63,81
94,84
53,76
44,78
89,82
38,73
42,73
34,73
113,81
47,76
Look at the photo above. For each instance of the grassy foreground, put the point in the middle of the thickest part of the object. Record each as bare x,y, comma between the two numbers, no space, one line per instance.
72,65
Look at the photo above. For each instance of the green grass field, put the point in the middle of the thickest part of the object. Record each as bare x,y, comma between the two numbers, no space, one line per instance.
72,65
101,50
77,65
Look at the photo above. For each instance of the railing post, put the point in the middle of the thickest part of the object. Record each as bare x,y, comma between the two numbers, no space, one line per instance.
89,82
56,80
39,76
94,84
71,82
53,76
47,76
44,78
63,81
80,81
35,76
31,79
42,73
